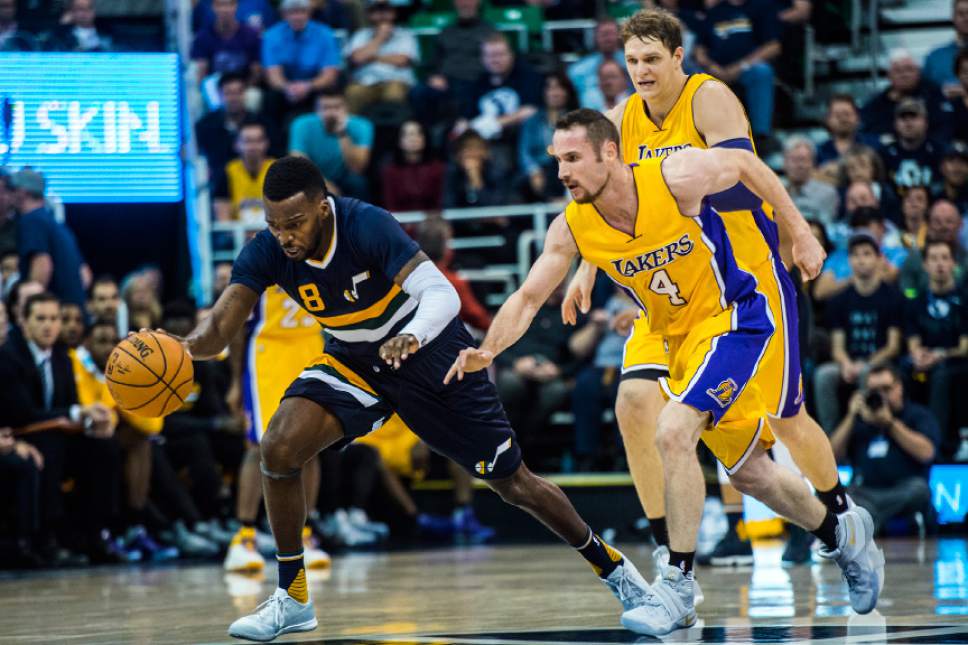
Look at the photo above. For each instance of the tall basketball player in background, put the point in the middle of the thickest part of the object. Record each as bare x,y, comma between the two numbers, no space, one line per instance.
668,112
280,339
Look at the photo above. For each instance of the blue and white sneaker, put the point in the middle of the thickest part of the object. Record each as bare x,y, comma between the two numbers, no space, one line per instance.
670,606
859,558
280,614
660,558
627,584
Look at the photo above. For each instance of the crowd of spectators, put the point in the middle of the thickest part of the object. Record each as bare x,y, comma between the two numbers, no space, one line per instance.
886,192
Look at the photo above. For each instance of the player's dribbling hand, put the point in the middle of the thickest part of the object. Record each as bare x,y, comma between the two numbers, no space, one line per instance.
470,359
808,255
397,349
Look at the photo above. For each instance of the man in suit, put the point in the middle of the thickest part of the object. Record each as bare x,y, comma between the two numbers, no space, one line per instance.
40,380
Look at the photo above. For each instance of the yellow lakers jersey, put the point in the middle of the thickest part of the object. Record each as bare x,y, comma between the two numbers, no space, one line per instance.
679,269
245,191
279,317
752,233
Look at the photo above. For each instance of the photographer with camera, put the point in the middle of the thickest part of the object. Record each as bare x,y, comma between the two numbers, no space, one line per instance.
890,442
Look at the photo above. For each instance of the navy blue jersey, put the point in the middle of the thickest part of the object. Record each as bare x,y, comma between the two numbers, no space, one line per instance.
351,291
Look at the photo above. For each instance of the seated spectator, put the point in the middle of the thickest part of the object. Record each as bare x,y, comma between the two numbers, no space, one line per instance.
237,193
336,14
532,375
105,302
300,57
584,73
959,103
16,299
142,299
837,269
48,250
217,131
937,336
20,466
255,14
862,165
434,237
81,33
815,199
505,95
865,323
473,179
905,79
12,37
602,340
338,142
939,66
458,58
413,180
890,442
954,177
382,57
944,224
911,159
613,84
914,211
737,42
72,325
539,170
43,384
843,124
226,46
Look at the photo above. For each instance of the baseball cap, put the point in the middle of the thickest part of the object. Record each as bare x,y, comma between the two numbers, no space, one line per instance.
911,105
956,149
28,180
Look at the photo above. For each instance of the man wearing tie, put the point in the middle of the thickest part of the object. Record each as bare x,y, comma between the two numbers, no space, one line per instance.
41,382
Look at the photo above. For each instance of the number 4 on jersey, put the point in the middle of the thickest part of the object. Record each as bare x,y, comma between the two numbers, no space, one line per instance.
662,284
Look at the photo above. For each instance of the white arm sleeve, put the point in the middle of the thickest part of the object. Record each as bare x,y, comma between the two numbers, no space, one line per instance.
437,300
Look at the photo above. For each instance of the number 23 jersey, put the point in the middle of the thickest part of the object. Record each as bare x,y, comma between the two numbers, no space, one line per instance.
350,292
680,270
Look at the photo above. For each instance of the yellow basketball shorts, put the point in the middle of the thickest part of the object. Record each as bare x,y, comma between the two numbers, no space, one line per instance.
646,353
713,369
271,364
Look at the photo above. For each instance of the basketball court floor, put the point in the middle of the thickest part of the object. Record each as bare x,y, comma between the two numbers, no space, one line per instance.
513,595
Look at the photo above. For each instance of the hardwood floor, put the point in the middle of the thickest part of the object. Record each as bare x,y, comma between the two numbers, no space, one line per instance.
491,595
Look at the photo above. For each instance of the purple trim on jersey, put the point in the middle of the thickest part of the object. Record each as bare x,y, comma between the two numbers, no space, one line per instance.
739,197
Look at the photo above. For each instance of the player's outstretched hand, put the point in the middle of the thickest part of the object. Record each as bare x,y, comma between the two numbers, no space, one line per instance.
808,255
470,359
397,349
158,330
578,296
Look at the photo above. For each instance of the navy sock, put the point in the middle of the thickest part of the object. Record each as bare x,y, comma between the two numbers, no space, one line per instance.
827,531
292,576
681,560
600,555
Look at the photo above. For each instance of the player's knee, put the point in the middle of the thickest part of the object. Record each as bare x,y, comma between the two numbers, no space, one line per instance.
277,454
672,438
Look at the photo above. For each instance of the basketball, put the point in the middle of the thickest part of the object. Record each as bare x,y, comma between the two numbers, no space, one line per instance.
149,374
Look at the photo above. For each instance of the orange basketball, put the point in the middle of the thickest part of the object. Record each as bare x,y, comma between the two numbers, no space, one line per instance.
149,374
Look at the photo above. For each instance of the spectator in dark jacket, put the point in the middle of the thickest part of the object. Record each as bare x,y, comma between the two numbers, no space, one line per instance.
413,180
891,443
12,37
904,75
82,33
226,45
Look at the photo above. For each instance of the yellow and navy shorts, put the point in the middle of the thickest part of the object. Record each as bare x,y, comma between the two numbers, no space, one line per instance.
646,354
271,364
463,420
713,369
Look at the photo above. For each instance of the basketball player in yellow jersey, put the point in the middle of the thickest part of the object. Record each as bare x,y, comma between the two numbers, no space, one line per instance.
280,340
649,227
671,111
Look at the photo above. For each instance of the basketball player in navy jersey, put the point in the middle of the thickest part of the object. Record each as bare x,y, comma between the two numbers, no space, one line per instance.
391,318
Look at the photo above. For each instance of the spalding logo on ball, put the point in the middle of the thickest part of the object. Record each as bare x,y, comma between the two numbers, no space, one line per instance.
149,374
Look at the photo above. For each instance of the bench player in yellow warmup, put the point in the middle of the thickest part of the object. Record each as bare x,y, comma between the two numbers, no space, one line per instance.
671,111
651,229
